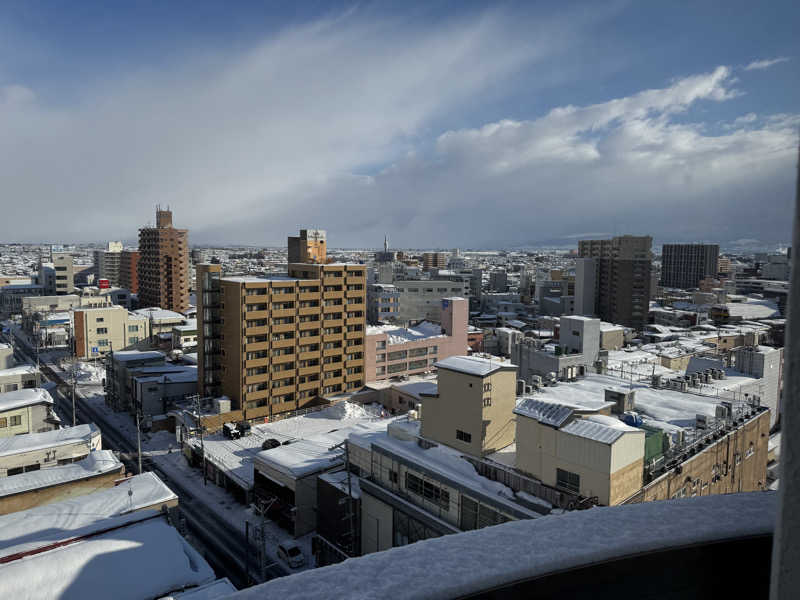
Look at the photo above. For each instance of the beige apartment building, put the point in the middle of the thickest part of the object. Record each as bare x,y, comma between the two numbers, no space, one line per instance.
98,331
308,247
27,410
472,410
279,344
65,272
163,267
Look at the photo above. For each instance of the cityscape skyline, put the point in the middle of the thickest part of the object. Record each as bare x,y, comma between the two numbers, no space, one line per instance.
387,123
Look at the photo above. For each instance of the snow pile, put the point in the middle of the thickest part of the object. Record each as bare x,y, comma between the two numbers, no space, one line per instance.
86,373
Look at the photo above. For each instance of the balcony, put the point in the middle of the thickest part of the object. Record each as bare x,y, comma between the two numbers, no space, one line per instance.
332,351
333,295
306,325
282,390
305,341
356,362
310,356
334,323
308,370
282,359
283,312
356,293
334,308
255,346
257,314
328,280
355,335
248,379
290,343
333,337
260,330
355,280
308,385
256,362
283,328
309,310
304,296
258,299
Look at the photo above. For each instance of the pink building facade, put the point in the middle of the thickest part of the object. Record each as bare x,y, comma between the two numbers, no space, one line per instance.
395,351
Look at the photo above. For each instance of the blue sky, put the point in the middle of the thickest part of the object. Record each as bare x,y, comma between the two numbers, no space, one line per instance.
411,120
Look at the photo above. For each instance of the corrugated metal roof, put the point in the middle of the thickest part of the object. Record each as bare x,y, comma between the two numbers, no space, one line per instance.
548,413
594,431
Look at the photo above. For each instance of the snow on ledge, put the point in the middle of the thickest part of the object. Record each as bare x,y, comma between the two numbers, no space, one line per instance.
467,563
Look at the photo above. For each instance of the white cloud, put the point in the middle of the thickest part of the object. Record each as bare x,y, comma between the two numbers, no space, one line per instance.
765,63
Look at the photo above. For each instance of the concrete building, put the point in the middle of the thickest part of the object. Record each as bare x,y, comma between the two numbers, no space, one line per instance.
765,364
685,265
185,336
107,263
120,368
278,344
19,377
163,269
498,280
622,278
309,247
129,270
11,297
585,286
27,410
6,357
98,331
65,272
155,389
434,260
34,451
594,456
99,470
576,352
421,300
161,321
399,351
383,303
471,411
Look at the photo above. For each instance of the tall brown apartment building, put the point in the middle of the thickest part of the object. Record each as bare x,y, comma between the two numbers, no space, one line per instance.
129,270
622,278
278,344
164,265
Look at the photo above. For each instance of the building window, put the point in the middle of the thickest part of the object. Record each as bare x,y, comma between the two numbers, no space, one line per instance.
15,421
464,436
133,328
568,481
3,422
133,340
102,330
102,342
427,490
99,320
487,401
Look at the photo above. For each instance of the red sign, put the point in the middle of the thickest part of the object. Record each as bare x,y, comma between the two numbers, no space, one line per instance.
103,284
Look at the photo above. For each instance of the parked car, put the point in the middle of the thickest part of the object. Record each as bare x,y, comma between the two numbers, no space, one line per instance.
290,553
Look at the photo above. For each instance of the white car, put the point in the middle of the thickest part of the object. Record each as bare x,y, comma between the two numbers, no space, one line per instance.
290,553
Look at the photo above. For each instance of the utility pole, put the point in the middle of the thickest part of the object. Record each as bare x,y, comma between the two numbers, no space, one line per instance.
196,399
139,439
74,377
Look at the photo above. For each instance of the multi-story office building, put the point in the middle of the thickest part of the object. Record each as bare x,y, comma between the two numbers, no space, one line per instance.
620,272
422,300
434,260
65,272
128,270
163,268
107,262
498,280
308,247
278,344
98,331
685,265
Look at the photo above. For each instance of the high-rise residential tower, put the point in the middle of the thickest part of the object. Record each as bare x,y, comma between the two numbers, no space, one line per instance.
278,344
164,265
620,273
107,262
129,270
686,265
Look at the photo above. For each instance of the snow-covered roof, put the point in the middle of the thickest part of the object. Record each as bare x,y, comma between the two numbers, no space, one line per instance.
548,413
159,314
474,365
49,439
600,428
19,370
753,309
220,588
44,525
401,335
101,566
96,463
493,557
24,397
130,355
